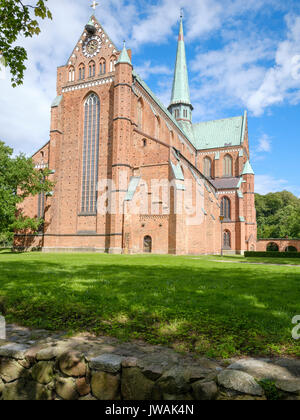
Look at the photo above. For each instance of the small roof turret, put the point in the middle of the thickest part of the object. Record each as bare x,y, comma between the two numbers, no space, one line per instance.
248,169
124,57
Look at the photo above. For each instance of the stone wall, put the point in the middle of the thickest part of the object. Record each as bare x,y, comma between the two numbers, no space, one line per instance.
36,366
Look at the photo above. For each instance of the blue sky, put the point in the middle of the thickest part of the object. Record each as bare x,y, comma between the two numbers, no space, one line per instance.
241,55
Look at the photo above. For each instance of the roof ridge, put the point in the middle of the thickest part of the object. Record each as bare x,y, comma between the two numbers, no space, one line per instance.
219,119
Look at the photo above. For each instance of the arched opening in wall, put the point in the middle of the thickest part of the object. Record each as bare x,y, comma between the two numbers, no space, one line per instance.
112,64
207,167
148,244
144,143
227,240
291,249
227,163
272,247
92,69
157,127
81,72
71,74
102,66
140,114
226,208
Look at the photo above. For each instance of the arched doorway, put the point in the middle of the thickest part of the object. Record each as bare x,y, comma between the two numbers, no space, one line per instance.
227,240
291,249
148,244
272,247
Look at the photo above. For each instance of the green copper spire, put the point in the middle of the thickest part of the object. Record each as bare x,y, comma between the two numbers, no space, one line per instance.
181,106
124,57
248,169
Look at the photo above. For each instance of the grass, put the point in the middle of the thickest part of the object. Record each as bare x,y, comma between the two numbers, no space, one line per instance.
192,304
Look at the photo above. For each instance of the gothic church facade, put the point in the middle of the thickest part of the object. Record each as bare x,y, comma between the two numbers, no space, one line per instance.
110,137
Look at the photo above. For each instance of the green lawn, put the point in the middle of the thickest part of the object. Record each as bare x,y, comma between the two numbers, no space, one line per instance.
193,304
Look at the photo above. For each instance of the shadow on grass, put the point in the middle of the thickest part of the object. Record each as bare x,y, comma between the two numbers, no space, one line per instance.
205,307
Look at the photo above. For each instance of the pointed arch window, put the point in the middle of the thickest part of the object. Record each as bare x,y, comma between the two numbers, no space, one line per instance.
226,208
90,154
207,167
228,165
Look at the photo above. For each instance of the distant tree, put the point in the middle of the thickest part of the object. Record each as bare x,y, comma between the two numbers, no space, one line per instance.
18,179
18,19
278,215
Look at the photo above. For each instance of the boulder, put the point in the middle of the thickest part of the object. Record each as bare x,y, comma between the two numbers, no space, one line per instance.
135,386
82,386
205,391
23,390
15,351
72,364
10,370
174,382
292,385
66,388
240,382
105,386
110,363
262,369
42,372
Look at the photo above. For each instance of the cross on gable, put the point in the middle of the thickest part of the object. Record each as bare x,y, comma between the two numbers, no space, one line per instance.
94,5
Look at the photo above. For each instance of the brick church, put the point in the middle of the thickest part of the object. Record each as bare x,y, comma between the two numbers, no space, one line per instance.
133,176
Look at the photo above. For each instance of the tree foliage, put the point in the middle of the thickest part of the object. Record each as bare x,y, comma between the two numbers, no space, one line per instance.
18,179
18,19
278,215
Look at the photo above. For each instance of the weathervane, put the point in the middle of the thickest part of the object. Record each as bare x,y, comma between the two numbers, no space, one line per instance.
94,5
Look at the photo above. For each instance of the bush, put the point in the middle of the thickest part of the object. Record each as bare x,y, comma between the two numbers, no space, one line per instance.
272,254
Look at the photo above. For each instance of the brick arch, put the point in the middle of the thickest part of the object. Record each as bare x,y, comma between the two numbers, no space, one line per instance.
282,244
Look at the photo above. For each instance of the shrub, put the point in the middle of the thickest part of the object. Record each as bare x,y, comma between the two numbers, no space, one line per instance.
272,254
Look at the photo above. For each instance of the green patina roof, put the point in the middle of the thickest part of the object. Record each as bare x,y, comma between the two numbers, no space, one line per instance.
181,90
56,101
219,133
248,169
124,57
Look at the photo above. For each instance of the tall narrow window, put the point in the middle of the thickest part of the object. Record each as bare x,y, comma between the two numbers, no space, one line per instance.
207,167
226,208
113,62
102,66
71,74
41,205
227,165
92,69
81,72
140,114
157,127
90,154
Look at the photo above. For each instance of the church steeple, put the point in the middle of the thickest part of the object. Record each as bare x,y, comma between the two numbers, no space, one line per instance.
181,106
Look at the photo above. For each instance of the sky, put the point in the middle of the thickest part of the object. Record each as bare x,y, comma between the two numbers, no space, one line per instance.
242,55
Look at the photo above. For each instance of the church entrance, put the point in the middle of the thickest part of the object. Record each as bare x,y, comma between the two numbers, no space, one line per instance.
148,244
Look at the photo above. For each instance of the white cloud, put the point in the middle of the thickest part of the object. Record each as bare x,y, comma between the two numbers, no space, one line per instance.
265,184
264,144
149,69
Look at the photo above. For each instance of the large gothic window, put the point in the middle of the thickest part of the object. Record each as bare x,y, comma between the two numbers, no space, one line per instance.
226,208
227,165
207,167
90,154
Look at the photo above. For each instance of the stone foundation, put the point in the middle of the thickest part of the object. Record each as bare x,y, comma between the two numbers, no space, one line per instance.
37,366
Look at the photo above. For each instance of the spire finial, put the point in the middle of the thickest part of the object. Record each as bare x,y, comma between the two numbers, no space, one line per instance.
181,13
124,44
94,5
